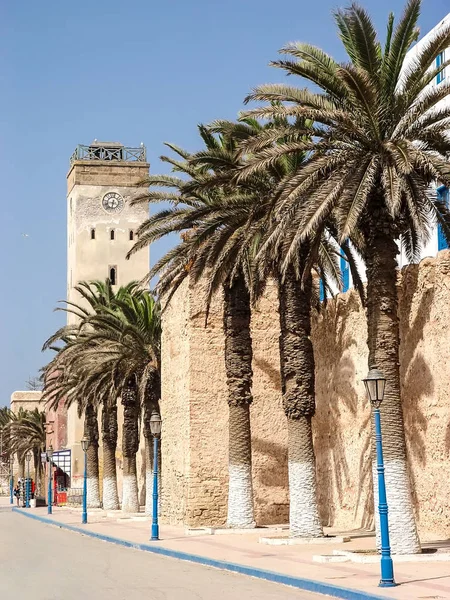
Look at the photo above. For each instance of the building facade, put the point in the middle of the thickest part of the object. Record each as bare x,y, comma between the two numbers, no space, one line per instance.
101,229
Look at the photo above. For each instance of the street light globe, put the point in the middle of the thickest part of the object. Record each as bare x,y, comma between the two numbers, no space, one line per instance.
85,443
50,452
155,423
375,383
28,456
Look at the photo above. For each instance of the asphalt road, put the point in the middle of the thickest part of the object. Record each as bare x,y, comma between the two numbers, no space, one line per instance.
45,563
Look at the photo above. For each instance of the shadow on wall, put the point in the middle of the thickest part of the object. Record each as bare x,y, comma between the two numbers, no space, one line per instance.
269,456
416,376
274,479
142,475
341,425
272,373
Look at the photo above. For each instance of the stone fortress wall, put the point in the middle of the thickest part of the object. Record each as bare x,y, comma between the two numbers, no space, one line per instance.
194,407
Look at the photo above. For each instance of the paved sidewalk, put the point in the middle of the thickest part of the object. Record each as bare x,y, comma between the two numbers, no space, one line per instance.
426,580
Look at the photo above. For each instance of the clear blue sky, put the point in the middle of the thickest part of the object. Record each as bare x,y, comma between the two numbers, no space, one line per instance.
115,70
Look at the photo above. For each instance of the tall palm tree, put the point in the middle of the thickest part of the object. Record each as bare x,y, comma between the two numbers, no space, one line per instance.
60,385
206,250
115,354
380,140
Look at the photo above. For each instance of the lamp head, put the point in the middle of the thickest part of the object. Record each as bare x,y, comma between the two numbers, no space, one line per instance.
50,452
85,443
155,423
375,383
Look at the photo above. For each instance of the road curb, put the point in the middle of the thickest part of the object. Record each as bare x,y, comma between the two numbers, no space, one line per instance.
297,582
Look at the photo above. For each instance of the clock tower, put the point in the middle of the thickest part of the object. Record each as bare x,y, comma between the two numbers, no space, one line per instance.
101,229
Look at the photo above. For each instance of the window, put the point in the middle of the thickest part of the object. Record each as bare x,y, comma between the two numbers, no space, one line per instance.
345,270
113,275
131,235
440,61
92,234
112,234
443,196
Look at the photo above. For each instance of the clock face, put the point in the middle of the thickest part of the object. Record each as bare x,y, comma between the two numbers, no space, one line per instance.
112,202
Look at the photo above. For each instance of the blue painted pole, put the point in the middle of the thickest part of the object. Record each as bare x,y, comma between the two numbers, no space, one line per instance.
155,526
11,488
84,515
49,493
387,567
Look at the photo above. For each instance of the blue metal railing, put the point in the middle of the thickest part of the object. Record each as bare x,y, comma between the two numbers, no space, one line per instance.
109,153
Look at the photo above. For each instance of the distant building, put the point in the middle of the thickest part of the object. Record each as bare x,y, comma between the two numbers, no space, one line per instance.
28,400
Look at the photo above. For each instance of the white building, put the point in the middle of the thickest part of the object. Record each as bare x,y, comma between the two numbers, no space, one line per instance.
437,240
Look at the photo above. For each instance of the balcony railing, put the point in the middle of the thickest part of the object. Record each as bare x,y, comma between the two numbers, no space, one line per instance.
111,153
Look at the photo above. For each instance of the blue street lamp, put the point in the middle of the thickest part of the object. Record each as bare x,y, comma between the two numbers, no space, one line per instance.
155,428
28,482
375,383
11,479
84,446
50,473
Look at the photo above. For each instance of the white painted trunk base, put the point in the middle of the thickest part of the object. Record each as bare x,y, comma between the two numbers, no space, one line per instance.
240,497
93,492
304,520
402,524
130,501
110,495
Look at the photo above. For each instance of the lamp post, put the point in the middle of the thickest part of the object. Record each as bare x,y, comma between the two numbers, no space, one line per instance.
28,456
155,429
375,383
11,479
50,472
84,446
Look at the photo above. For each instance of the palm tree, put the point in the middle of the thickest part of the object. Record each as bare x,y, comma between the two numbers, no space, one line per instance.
115,353
205,250
379,142
194,257
26,432
60,385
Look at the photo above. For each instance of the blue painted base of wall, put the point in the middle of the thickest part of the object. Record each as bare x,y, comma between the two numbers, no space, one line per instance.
296,582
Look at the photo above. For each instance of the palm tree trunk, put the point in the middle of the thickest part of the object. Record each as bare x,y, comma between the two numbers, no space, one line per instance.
298,388
21,461
384,343
130,446
238,366
91,431
109,436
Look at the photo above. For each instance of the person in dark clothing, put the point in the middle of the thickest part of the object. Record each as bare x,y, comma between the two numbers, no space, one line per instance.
17,493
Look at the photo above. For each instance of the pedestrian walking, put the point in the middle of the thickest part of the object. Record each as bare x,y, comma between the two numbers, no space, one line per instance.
17,493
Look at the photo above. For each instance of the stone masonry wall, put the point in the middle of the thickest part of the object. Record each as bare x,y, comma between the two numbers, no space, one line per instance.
195,431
